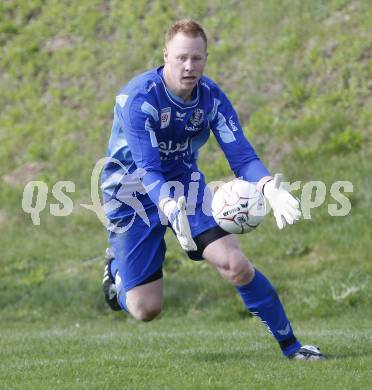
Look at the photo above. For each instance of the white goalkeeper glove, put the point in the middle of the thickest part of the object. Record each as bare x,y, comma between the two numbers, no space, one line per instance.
176,214
285,206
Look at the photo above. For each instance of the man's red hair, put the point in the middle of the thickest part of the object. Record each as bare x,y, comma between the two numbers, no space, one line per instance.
187,27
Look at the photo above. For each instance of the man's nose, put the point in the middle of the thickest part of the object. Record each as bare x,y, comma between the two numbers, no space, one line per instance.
188,65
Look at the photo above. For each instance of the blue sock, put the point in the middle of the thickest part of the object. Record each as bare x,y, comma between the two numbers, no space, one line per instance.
114,267
261,299
122,296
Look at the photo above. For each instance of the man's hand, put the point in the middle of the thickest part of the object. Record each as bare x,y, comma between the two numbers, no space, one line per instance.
176,214
285,206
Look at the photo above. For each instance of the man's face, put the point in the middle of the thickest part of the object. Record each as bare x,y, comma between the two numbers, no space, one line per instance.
184,58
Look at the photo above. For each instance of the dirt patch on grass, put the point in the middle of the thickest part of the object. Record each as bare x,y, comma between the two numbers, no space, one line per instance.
60,42
23,174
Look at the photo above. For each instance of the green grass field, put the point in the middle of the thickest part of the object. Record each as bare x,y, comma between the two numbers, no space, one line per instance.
300,76
189,352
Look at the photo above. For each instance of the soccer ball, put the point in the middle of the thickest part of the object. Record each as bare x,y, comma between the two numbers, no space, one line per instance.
238,207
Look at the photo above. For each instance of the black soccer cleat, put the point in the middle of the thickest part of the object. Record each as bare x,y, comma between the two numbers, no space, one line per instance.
108,283
307,352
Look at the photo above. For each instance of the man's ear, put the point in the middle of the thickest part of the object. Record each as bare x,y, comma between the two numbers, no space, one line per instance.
165,55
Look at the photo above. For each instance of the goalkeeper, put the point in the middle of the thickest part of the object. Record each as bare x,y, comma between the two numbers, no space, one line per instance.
161,119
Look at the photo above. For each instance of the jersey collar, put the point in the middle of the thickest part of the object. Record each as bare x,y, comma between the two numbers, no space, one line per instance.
176,100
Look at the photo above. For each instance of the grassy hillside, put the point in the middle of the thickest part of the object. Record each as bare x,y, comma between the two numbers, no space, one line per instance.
300,76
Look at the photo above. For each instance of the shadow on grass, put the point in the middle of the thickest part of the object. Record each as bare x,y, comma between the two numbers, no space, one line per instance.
220,357
349,355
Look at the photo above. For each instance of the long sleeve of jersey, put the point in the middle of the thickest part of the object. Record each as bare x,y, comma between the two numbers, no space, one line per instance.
239,152
139,119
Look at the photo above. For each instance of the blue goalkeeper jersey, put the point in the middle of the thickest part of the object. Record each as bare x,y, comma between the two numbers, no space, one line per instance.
156,135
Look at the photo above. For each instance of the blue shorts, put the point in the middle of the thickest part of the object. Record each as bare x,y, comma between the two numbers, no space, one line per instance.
140,250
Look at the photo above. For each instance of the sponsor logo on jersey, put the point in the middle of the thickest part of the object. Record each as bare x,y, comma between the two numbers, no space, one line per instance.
165,117
170,147
232,124
180,116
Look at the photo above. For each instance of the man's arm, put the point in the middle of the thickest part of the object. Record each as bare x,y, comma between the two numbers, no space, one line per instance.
139,119
139,126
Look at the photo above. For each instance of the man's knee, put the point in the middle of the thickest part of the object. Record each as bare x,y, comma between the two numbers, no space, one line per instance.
145,301
238,269
146,315
144,311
